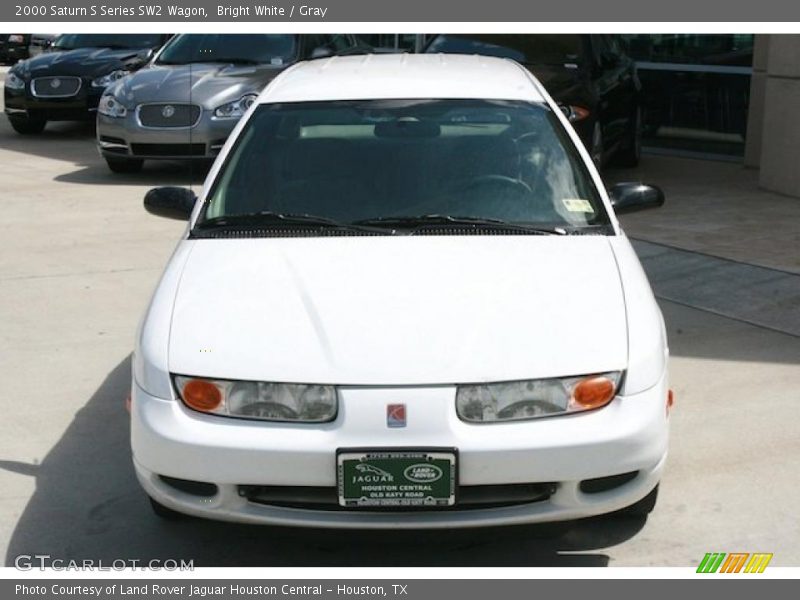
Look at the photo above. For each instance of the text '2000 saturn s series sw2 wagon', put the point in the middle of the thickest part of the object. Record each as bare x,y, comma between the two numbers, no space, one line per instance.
402,300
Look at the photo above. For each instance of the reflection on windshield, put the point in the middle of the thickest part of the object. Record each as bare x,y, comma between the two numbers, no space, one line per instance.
72,41
366,161
272,49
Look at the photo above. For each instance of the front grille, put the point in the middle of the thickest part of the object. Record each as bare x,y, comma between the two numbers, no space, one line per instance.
55,87
168,116
469,497
178,150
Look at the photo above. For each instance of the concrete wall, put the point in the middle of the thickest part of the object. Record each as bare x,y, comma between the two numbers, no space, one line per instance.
778,146
755,114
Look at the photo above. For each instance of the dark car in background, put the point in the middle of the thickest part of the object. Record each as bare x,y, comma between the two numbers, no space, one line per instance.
591,77
66,82
188,100
14,47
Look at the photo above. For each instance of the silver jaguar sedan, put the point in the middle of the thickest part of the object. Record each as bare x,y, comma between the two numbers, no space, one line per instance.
186,102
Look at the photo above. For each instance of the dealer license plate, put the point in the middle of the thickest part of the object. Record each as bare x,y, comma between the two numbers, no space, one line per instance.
396,478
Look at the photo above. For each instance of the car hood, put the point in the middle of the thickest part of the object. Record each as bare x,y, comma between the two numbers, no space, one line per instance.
85,62
208,84
398,310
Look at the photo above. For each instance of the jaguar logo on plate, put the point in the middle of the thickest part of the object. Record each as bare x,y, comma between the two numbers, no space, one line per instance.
55,83
168,111
395,415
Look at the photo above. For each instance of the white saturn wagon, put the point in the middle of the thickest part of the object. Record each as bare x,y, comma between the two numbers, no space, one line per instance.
402,300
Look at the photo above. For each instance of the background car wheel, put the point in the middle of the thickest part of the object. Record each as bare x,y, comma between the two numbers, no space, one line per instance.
642,508
629,155
166,513
124,165
596,151
27,125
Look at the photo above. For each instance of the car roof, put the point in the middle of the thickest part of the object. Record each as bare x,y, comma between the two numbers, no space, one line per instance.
379,76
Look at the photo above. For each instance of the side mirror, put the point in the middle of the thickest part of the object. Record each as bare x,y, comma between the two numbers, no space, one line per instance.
146,54
631,197
170,202
321,52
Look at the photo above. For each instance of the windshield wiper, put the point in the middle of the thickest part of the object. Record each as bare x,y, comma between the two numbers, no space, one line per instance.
415,223
267,217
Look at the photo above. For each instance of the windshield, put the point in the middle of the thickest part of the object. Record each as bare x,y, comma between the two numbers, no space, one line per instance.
528,49
367,161
273,49
71,41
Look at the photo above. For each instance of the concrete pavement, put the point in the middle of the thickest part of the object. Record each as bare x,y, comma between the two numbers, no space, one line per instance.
79,260
717,208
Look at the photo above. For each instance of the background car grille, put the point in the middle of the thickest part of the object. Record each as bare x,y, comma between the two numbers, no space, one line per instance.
168,115
55,87
168,149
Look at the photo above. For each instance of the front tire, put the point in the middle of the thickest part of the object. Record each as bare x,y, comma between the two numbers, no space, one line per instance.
124,165
642,508
631,153
163,512
27,125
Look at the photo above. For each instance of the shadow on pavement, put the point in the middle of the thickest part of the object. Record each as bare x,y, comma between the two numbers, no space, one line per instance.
694,333
74,142
87,504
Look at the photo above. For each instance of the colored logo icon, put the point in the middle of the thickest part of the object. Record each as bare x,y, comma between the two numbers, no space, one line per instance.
395,415
735,562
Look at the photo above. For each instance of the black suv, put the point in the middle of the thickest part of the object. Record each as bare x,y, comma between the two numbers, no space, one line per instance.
65,83
590,76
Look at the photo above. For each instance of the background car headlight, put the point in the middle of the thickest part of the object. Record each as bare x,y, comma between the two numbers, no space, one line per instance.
521,400
574,113
109,78
259,400
14,82
235,109
111,107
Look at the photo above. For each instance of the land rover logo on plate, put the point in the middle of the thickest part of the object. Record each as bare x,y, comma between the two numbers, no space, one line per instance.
168,111
422,473
395,415
55,83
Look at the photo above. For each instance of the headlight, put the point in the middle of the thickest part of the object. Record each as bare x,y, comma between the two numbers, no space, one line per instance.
574,113
16,38
14,82
235,109
109,78
259,400
111,107
522,400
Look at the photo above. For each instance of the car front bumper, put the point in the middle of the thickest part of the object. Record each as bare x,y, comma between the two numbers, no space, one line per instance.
80,107
126,138
629,436
11,53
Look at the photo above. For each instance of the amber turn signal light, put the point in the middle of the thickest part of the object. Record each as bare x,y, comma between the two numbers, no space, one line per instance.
201,395
593,392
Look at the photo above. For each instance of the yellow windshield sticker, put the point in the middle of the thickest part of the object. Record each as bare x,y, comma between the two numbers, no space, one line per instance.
578,205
